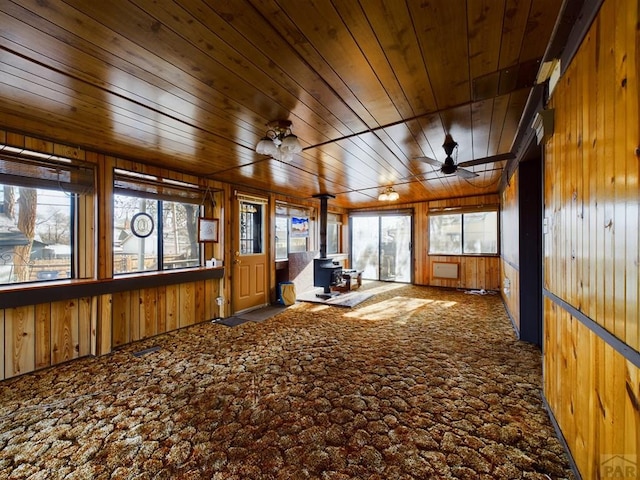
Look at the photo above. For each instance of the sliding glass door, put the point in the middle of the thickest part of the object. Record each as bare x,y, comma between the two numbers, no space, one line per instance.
381,246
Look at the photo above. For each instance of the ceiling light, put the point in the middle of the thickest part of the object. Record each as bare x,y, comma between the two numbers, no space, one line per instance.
389,195
279,143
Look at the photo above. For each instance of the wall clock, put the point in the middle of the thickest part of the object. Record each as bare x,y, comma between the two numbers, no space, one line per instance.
142,225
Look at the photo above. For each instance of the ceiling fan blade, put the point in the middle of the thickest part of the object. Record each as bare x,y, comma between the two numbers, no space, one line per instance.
430,161
492,159
461,172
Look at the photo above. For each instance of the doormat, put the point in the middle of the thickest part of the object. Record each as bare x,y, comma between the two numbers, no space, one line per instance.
262,314
257,316
231,321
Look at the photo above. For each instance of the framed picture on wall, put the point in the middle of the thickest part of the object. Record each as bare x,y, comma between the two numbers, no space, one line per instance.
208,229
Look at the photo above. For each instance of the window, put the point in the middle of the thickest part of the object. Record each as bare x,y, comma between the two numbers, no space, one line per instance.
292,230
38,208
251,221
282,237
473,233
333,233
155,224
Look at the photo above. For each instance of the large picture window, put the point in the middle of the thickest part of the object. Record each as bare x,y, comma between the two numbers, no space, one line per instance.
38,206
473,233
155,224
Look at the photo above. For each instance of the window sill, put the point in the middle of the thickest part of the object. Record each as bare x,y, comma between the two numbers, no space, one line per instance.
23,294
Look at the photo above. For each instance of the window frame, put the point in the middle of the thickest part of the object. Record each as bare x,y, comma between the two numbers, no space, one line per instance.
335,219
24,168
288,212
162,191
461,213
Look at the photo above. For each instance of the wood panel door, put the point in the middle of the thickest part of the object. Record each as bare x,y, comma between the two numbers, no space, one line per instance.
249,283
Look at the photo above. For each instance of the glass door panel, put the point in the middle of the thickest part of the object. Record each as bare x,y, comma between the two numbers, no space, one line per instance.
381,247
251,231
365,246
395,248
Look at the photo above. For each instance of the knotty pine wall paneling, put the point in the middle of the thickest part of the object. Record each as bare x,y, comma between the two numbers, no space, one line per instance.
421,266
187,305
65,331
474,272
139,314
148,312
510,249
103,334
510,291
101,326
19,347
591,248
42,335
170,304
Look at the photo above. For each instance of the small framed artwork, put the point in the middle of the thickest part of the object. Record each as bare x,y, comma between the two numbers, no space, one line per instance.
208,229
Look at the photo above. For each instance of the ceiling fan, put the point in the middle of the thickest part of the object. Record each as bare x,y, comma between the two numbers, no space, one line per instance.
450,167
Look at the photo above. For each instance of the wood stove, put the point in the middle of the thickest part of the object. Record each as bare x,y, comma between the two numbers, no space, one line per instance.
326,274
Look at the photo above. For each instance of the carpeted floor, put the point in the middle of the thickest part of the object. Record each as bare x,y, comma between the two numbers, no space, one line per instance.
414,383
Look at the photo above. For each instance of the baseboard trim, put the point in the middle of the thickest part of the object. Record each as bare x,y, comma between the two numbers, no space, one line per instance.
563,442
513,322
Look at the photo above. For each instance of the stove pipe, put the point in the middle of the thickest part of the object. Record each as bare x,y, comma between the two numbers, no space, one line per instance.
324,213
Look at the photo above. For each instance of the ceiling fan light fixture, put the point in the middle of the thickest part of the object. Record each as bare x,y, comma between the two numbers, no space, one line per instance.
388,195
279,143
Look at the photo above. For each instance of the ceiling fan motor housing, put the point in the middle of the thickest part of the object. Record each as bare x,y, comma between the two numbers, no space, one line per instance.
448,166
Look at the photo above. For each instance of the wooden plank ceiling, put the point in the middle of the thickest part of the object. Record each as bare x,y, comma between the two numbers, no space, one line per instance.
368,85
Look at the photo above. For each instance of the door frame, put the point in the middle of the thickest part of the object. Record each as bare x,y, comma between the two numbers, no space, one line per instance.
386,213
263,299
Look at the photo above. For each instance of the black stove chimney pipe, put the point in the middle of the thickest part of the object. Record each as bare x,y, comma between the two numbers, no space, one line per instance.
324,213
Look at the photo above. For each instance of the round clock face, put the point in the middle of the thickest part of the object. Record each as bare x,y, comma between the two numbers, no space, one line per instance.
142,225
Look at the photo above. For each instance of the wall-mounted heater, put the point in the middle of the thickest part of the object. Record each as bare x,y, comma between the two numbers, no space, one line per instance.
445,270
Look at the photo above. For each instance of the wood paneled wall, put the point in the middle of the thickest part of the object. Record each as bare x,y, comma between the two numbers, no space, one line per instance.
46,334
510,290
592,321
42,335
510,251
139,314
473,272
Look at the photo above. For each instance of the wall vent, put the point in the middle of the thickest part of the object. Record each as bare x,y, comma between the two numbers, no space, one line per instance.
445,270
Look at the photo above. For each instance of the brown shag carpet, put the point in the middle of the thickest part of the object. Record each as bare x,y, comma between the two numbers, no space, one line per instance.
414,383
